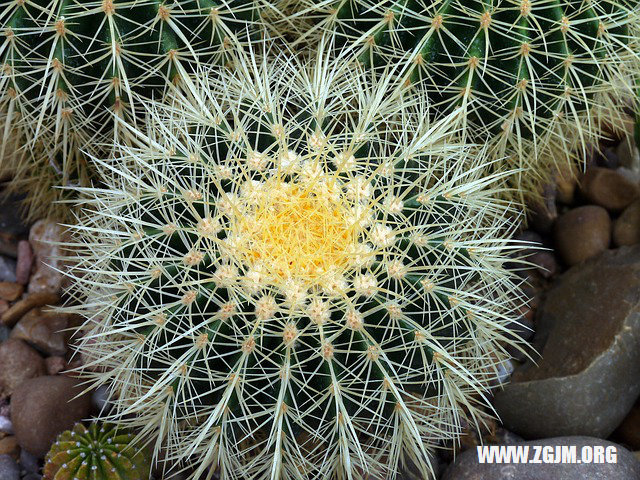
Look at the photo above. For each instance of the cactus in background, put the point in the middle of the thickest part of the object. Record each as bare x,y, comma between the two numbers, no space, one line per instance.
295,276
100,452
71,71
537,79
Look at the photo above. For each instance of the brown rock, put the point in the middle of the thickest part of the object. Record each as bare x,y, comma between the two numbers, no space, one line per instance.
543,211
10,291
608,189
15,313
626,229
582,233
43,330
45,237
55,365
18,362
632,175
4,306
9,446
566,183
43,407
545,262
25,261
628,153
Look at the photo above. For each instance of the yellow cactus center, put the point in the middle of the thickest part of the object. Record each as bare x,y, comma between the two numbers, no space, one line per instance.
295,231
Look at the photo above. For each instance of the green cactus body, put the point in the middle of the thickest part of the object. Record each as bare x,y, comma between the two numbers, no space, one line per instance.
71,69
100,452
536,78
298,277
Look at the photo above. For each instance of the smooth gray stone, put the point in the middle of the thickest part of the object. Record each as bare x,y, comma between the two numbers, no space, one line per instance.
7,269
8,468
588,331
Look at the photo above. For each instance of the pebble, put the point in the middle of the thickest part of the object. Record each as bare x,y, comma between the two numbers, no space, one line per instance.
608,159
19,362
100,399
43,330
10,291
55,364
543,212
32,476
628,153
44,238
566,183
632,175
25,262
9,469
531,242
29,462
522,330
545,263
608,188
626,467
588,334
626,229
9,446
582,233
5,424
43,407
7,269
504,371
21,307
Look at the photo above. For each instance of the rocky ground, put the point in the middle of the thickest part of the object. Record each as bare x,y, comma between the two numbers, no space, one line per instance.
583,385
583,317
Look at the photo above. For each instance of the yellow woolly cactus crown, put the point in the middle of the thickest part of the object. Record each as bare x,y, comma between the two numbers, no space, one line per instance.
295,275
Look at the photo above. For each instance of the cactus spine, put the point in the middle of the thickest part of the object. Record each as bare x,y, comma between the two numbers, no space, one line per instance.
537,79
73,70
297,276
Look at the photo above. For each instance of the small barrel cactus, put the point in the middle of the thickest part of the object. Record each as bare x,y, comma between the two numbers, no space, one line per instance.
100,452
537,78
69,70
296,276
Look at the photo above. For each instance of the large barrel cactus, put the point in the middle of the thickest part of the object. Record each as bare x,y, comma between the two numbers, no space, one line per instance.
71,69
295,276
538,79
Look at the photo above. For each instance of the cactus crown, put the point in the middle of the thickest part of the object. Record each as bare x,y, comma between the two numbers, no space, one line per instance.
100,452
294,275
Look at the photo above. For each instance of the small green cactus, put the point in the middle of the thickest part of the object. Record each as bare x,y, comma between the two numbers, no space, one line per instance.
100,452
72,71
296,276
537,79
